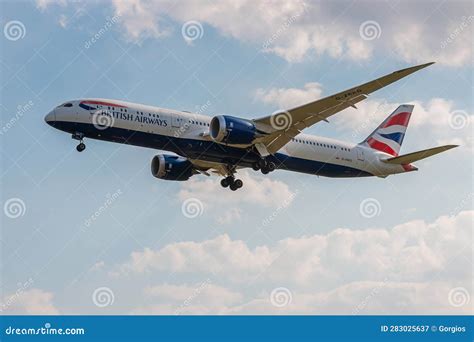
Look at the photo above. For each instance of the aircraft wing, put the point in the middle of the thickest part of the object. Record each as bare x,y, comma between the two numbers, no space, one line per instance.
281,127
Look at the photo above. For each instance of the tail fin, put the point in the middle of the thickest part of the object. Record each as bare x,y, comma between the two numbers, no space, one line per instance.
413,157
388,137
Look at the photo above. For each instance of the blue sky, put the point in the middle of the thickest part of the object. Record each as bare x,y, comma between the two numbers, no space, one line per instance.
284,230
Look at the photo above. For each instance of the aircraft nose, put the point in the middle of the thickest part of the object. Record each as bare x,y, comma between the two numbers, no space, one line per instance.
50,118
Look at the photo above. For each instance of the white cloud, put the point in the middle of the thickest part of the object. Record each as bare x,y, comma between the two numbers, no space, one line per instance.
220,255
362,298
138,19
63,21
296,29
409,268
447,43
287,98
97,266
202,298
30,302
44,4
230,215
259,190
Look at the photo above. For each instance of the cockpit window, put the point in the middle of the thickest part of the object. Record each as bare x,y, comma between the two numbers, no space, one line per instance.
67,105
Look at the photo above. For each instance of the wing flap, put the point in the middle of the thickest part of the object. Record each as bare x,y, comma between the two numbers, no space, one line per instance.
205,167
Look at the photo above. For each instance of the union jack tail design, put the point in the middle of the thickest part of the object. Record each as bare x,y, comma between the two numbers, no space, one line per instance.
388,137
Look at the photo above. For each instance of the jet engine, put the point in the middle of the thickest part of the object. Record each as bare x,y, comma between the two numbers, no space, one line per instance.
230,130
164,166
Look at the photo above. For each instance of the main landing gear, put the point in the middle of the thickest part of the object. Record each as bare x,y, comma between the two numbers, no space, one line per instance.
264,166
230,180
232,183
79,136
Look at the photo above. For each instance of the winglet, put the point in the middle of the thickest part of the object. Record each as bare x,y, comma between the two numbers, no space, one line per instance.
414,68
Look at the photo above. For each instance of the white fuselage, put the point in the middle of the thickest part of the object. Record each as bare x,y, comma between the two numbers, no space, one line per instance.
158,123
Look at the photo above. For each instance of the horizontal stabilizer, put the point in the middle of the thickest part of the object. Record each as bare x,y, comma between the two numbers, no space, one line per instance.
413,157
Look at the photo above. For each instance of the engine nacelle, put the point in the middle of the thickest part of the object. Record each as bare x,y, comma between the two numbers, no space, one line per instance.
168,167
231,130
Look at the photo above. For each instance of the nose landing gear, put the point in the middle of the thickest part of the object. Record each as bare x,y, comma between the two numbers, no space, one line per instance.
79,136
81,147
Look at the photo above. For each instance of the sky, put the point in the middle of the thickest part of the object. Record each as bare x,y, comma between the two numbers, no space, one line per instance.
96,233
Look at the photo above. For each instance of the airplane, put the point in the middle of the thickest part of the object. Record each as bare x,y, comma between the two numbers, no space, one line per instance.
223,143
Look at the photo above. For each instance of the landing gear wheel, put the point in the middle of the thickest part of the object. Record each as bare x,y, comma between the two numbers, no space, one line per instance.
81,147
228,181
233,187
262,163
271,166
238,183
265,170
225,182
255,166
